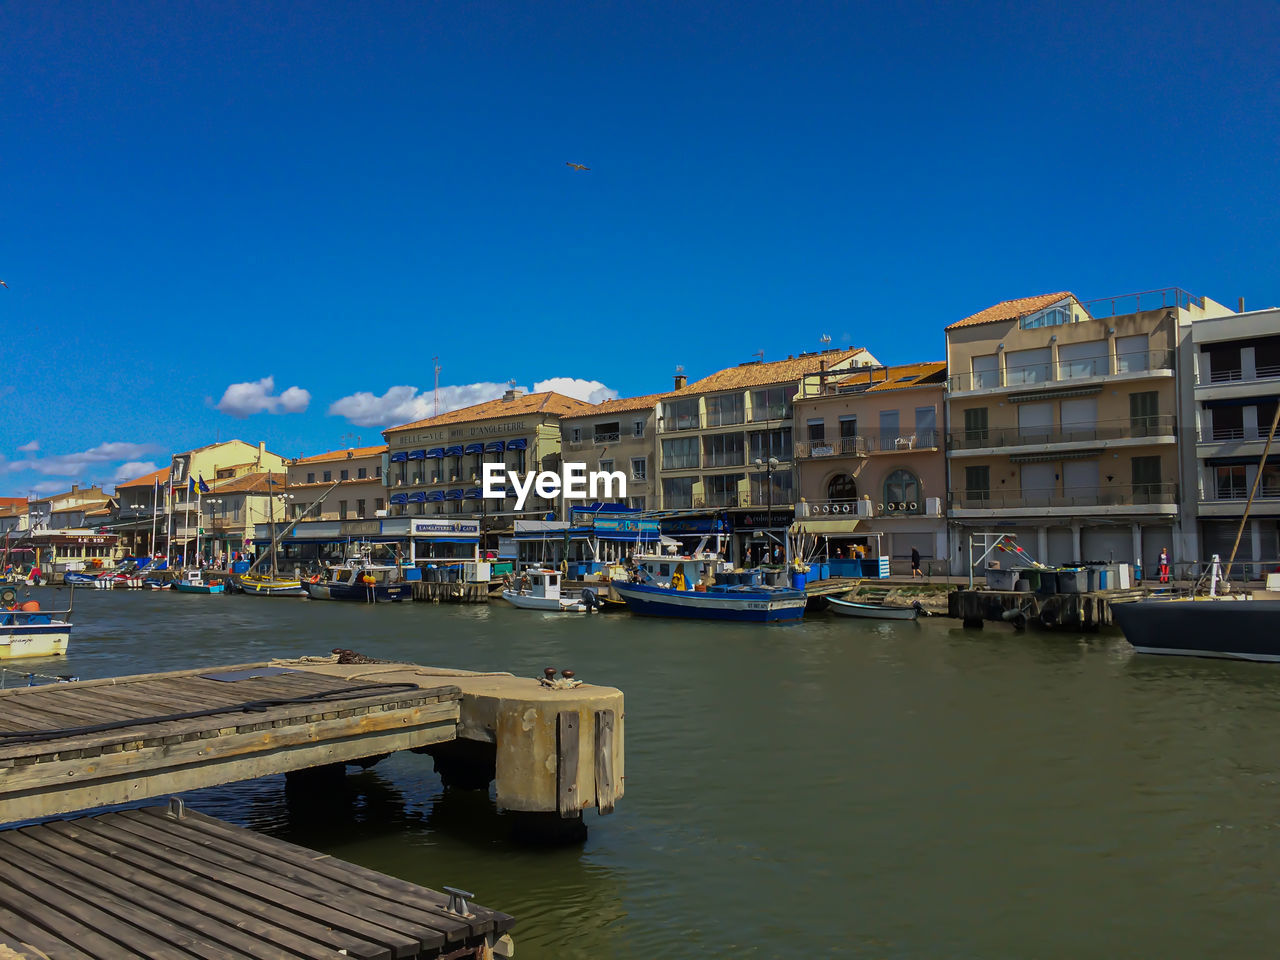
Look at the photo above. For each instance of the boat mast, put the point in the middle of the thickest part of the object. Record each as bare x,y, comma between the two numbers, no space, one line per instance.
1244,517
285,532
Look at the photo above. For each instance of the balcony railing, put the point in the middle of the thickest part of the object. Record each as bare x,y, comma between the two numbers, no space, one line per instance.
605,438
771,412
716,500
1037,374
837,447
1256,434
1126,429
674,424
1138,302
1236,493
1263,371
1142,494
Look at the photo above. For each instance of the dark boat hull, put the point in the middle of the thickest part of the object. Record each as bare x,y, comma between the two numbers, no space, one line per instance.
1235,629
361,593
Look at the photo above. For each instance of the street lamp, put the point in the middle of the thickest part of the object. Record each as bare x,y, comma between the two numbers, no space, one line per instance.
768,466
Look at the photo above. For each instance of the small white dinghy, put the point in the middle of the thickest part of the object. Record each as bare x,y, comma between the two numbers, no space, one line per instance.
539,589
28,631
874,611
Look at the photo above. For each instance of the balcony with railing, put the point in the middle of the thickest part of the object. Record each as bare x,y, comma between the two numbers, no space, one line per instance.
674,423
1127,303
728,498
836,447
605,437
1137,495
1157,428
1036,375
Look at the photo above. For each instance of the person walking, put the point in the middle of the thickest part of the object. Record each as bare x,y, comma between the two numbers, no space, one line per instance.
915,564
1164,564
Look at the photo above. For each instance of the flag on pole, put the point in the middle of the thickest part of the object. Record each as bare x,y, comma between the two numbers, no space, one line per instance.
204,487
191,486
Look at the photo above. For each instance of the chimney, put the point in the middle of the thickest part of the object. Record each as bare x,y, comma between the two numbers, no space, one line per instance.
75,487
1240,308
680,381
262,450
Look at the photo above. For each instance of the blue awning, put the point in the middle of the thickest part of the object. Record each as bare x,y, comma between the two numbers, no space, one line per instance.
453,495
454,451
474,448
400,457
435,453
518,444
417,454
474,494
435,496
417,497
399,498
495,446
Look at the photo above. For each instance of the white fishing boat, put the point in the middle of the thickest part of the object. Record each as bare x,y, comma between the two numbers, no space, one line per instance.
28,631
873,611
539,589
671,586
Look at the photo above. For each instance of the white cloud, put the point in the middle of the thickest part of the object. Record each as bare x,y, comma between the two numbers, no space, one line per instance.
134,469
405,404
592,391
241,400
49,486
79,464
31,447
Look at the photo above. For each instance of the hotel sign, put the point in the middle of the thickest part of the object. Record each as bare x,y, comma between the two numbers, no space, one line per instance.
463,432
360,528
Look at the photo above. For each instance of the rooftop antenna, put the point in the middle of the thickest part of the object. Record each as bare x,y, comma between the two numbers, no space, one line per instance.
824,340
760,354
435,396
679,368
346,438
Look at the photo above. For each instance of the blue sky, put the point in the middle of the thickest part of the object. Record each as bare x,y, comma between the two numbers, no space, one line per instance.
327,195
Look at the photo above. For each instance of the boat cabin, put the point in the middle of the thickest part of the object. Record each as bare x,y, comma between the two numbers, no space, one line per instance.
539,582
681,573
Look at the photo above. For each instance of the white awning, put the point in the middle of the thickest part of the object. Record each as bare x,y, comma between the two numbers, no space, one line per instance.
824,526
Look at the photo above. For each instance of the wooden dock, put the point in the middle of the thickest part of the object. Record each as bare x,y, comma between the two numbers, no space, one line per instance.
441,592
1087,612
168,883
552,749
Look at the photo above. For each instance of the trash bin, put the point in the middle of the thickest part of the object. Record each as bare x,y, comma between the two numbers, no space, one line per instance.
798,580
1073,581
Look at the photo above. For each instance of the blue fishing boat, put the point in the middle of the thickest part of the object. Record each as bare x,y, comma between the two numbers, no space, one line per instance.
361,580
676,587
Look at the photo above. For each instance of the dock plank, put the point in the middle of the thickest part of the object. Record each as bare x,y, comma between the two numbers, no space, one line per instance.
118,880
397,896
23,937
22,911
312,938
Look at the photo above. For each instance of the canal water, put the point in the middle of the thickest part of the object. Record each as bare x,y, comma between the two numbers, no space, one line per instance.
829,789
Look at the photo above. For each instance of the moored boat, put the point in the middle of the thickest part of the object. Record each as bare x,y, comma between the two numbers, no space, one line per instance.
673,587
873,611
256,585
1237,628
28,631
193,582
538,588
360,580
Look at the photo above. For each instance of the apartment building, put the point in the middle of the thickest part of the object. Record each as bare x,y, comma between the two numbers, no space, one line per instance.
360,493
65,530
1062,424
726,448
1235,390
617,435
435,465
870,462
230,512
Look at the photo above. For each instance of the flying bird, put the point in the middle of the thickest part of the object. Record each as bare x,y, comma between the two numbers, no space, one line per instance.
3,284
576,166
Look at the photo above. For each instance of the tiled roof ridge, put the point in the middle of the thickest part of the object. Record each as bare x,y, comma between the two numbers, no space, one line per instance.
501,407
1012,309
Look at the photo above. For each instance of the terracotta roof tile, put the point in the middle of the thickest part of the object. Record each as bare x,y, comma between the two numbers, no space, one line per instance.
621,405
554,403
14,502
249,483
1012,309
342,454
763,374
928,373
162,475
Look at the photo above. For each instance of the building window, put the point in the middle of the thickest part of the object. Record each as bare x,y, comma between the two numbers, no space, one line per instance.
842,487
1048,317
1228,423
639,468
575,435
636,502
311,478
926,427
975,427
888,429
606,466
342,509
637,428
817,431
377,472
1229,482
1027,366
1088,359
723,450
682,415
779,494
681,454
1144,413
362,473
360,509
1132,355
986,371
1146,479
328,476
764,444
725,410
606,432
902,489
344,475
378,504
772,404
721,491
677,492
977,484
